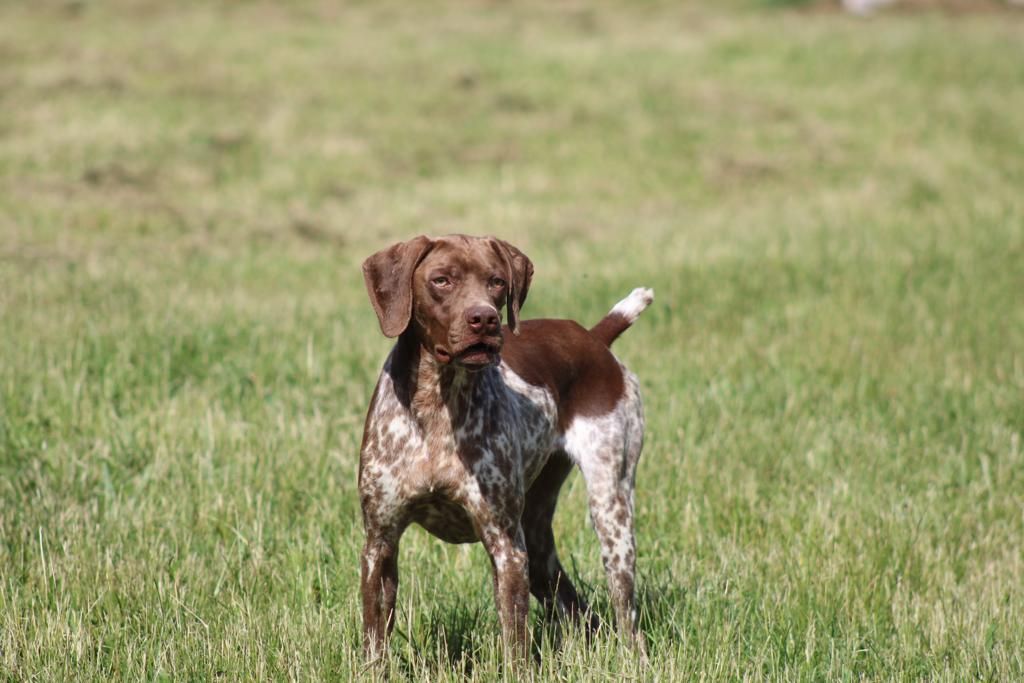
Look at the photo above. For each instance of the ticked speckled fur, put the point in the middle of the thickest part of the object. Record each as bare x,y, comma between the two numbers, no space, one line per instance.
480,455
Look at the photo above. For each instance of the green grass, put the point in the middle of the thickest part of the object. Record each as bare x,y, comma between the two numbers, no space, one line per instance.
829,210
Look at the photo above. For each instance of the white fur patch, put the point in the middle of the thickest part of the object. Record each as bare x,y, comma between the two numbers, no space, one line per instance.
606,449
593,441
633,305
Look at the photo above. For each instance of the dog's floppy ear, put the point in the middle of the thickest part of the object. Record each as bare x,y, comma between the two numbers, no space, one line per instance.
388,276
520,273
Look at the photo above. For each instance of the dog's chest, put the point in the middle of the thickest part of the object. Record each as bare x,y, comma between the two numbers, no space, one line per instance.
438,456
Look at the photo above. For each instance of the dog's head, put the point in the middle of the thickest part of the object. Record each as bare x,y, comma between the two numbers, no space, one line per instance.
449,292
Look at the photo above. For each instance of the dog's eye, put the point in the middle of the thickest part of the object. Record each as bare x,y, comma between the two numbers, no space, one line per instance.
441,281
497,282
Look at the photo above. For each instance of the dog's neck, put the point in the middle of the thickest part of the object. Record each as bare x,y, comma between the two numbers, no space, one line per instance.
431,390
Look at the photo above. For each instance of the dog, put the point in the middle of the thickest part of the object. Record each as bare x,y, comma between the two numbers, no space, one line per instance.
473,427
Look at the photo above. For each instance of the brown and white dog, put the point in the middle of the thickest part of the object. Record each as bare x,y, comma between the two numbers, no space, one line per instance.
473,428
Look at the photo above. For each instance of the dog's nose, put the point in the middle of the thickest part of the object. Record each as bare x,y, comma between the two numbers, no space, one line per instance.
482,319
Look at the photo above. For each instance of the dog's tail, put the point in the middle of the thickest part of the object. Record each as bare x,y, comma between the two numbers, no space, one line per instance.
622,315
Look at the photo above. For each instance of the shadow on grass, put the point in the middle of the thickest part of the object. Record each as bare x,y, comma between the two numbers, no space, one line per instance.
457,635
454,636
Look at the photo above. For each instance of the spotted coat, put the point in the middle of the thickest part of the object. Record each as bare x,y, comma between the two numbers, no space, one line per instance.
473,428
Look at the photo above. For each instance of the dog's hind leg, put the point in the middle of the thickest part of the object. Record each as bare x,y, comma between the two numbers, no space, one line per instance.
607,449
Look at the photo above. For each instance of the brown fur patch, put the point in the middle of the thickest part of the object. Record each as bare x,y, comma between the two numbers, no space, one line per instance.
561,355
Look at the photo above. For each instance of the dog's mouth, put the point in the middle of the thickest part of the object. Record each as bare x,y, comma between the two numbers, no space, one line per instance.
478,354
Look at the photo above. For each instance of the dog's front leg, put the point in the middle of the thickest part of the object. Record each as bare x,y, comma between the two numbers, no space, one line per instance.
379,591
507,548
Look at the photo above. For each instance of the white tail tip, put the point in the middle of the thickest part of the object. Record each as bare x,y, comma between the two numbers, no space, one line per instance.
633,305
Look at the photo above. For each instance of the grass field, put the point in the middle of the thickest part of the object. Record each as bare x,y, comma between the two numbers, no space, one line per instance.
830,211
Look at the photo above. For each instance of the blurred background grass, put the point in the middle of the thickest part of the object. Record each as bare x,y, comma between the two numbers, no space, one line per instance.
828,208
